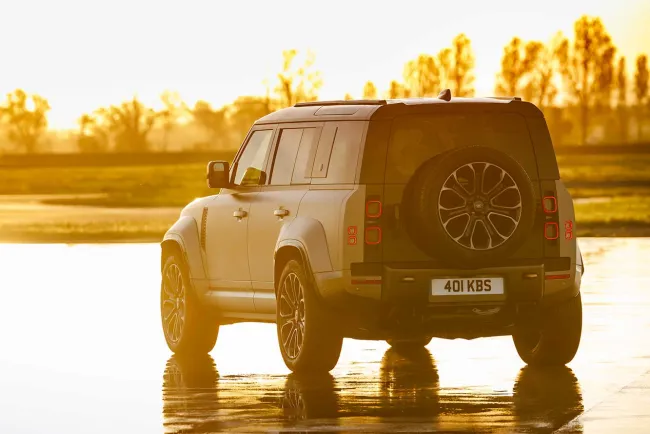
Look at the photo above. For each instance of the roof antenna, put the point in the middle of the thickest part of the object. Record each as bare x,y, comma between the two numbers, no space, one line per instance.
445,95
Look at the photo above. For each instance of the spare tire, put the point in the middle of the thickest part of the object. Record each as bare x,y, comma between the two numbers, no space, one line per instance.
469,206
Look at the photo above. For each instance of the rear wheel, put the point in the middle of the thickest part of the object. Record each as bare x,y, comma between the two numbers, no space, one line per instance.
188,327
556,339
307,340
409,344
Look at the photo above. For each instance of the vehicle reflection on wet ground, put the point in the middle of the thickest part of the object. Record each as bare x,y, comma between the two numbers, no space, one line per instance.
83,352
407,397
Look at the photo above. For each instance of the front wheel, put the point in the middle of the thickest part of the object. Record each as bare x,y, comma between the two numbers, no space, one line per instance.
556,339
188,328
307,341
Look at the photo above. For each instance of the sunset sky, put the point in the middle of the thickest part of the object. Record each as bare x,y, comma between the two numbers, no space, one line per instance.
84,54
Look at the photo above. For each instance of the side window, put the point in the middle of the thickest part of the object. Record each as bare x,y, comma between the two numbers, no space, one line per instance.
343,155
249,168
294,156
285,156
322,159
305,157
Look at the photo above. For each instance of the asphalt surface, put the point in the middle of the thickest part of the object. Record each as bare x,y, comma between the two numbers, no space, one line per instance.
82,352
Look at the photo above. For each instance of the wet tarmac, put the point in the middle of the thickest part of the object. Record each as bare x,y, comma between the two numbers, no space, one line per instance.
82,352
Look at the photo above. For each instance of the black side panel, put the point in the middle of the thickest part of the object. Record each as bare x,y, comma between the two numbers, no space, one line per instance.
541,138
374,153
398,246
415,139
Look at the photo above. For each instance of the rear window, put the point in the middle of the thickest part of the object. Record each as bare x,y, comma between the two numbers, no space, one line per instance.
417,138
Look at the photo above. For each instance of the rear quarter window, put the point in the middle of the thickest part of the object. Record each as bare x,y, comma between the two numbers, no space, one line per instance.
418,138
342,147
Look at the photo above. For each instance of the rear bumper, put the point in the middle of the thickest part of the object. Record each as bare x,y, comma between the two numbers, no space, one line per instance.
397,303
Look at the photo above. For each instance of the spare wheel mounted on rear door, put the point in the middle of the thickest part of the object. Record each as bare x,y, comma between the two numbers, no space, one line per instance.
469,206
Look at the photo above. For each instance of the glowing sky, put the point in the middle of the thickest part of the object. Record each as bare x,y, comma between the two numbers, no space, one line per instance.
88,53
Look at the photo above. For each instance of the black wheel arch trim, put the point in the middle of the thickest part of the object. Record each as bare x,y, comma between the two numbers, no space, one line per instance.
185,234
301,249
303,256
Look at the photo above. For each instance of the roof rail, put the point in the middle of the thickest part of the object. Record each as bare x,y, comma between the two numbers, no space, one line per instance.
506,98
342,102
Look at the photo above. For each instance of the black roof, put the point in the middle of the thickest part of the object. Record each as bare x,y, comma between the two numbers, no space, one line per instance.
358,110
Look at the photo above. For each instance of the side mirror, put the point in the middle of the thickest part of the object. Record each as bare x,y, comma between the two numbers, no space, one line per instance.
218,174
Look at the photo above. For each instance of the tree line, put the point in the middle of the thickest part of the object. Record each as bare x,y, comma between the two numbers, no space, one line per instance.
582,85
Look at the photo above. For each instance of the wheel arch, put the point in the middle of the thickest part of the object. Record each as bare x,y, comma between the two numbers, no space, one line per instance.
287,252
304,239
167,247
184,236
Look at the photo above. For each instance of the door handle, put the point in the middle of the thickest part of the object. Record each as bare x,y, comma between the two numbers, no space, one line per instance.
281,212
240,214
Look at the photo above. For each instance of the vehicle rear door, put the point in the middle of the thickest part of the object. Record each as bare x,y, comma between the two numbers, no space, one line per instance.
419,137
276,205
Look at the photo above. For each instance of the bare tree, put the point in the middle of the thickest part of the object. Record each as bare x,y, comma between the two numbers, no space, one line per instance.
541,88
586,67
297,83
92,137
421,76
25,118
516,63
606,79
213,122
425,76
129,124
241,114
369,90
396,90
173,109
621,106
641,77
457,65
444,61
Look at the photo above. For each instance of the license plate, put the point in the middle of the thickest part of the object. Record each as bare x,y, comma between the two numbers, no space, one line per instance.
467,286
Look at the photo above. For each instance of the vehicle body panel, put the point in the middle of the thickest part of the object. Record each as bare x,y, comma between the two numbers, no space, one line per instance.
226,251
376,290
264,229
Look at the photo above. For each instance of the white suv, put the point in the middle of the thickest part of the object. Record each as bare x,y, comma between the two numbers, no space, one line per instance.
396,220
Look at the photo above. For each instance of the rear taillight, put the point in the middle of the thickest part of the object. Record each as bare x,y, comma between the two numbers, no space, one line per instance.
557,276
372,232
551,226
373,209
551,231
549,203
373,235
